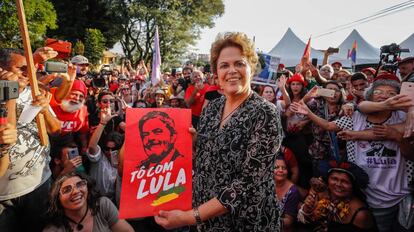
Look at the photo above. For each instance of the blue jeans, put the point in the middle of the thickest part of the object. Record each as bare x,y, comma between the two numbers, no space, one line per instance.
26,213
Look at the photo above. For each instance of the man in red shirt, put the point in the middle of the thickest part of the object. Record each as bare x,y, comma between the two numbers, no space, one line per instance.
72,112
195,95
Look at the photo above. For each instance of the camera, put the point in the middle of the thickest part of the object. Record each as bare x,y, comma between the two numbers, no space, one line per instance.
389,57
283,72
8,90
56,67
393,49
99,79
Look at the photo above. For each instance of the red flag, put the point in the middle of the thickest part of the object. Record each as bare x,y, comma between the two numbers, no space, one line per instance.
306,53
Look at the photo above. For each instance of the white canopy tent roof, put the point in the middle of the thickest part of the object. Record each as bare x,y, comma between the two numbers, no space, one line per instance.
408,43
365,54
290,50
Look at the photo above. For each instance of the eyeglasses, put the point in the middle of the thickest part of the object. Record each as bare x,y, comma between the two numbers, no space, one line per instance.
105,148
68,189
105,101
380,92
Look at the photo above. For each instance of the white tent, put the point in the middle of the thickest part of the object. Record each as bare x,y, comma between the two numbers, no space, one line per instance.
365,54
290,50
408,43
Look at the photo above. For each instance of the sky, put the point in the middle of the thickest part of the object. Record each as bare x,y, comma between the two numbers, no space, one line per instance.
268,20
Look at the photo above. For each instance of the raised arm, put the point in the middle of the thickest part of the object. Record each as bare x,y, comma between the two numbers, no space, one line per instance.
301,108
398,102
105,116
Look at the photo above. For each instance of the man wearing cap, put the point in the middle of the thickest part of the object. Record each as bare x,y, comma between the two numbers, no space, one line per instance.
82,66
337,66
370,73
160,98
406,67
73,113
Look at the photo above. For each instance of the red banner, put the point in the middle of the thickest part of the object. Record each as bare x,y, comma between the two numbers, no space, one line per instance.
157,162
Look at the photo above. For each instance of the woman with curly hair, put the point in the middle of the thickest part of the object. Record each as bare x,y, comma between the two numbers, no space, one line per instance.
239,137
75,205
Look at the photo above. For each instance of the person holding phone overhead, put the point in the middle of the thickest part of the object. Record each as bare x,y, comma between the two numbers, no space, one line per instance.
238,139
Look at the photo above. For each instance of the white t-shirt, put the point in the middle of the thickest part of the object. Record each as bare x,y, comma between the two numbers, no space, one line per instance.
389,172
29,161
103,172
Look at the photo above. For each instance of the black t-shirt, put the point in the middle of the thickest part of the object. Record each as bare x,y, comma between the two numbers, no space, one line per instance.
211,95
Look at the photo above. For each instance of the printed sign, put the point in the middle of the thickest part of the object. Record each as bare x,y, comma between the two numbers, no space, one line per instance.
157,162
267,68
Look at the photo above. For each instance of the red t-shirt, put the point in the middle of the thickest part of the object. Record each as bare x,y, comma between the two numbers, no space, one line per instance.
113,87
71,122
290,158
197,106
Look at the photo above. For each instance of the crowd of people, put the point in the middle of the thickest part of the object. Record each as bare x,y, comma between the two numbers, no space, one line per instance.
324,149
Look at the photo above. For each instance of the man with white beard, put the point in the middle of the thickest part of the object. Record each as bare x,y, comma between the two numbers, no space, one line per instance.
72,113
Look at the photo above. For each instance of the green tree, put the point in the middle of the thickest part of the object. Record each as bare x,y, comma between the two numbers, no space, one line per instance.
179,23
40,16
76,16
94,45
79,48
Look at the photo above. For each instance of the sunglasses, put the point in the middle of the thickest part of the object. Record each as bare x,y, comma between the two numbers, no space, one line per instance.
105,101
68,189
105,148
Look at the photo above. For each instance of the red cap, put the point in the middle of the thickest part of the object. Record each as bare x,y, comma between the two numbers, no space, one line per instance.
387,76
299,78
336,62
140,77
281,66
79,86
369,69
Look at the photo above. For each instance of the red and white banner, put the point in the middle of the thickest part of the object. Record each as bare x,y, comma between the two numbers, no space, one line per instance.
157,162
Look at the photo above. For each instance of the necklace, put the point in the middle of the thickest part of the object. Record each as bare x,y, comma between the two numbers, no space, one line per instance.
234,110
79,225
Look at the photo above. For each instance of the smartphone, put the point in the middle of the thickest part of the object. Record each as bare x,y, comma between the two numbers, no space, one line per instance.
315,62
73,152
114,158
407,88
56,67
63,48
333,50
325,92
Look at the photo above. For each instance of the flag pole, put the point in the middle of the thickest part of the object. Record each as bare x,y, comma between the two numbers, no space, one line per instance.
40,120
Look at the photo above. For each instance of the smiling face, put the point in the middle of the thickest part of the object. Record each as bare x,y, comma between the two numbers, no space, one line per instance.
73,193
280,172
383,92
233,71
340,185
159,99
268,93
18,66
157,138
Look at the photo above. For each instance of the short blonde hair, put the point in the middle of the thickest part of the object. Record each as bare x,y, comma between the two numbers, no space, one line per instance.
233,39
